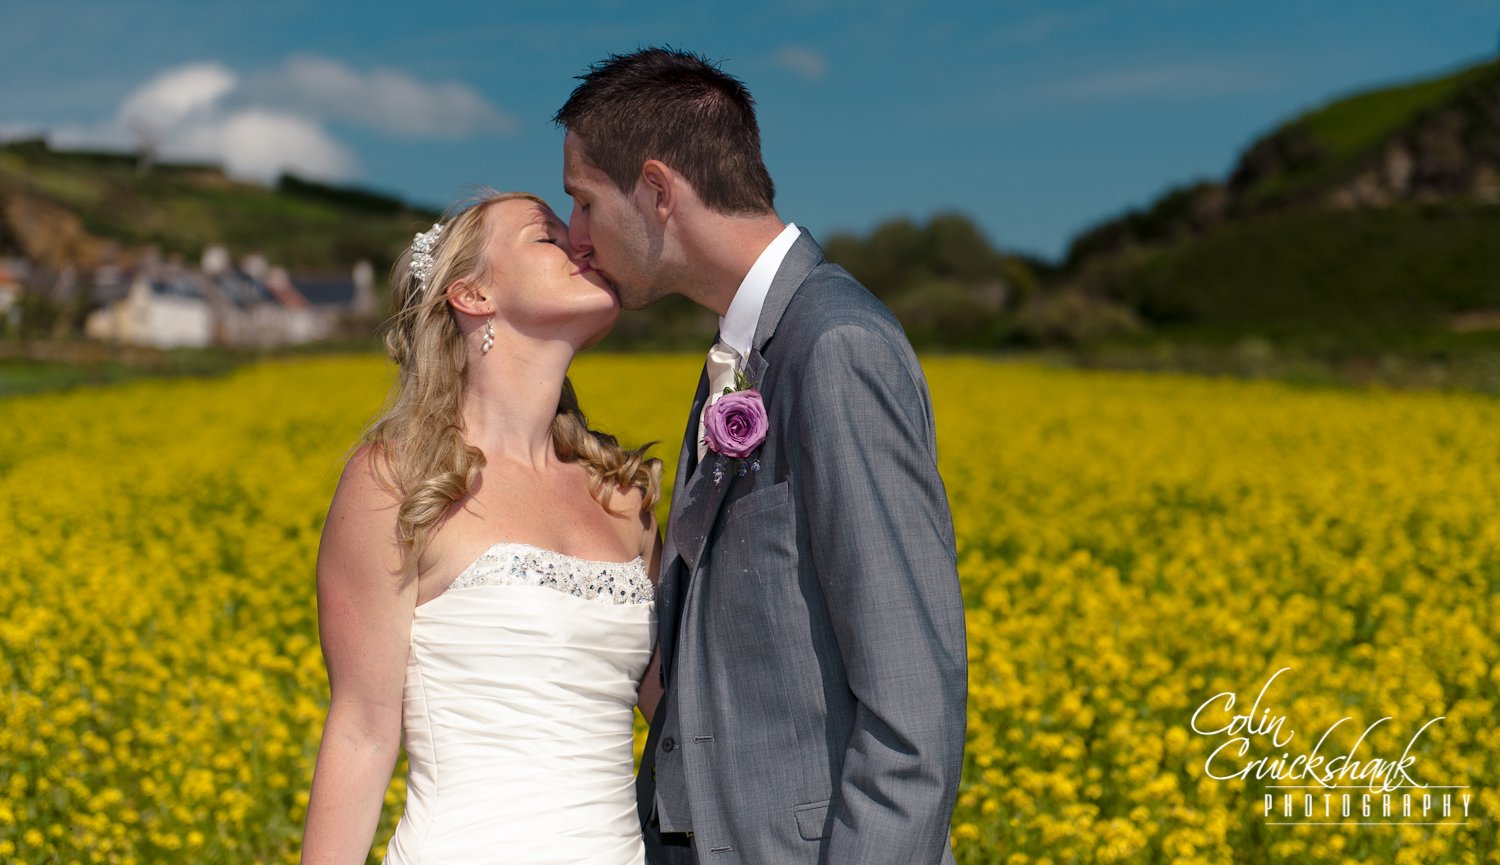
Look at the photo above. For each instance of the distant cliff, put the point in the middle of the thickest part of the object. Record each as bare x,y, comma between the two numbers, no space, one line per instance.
1371,222
1429,142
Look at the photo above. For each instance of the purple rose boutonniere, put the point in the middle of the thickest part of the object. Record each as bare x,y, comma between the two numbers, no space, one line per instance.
734,426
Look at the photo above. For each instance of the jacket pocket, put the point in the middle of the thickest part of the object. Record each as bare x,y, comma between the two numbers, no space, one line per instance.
812,820
765,498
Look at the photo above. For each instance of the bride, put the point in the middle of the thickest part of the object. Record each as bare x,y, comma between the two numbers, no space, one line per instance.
485,578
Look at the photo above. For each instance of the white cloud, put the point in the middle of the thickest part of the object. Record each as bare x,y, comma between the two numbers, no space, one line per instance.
1181,80
803,61
385,100
190,112
1037,29
177,96
259,144
18,131
261,125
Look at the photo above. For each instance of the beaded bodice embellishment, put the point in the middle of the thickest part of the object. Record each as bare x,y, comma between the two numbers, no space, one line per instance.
516,564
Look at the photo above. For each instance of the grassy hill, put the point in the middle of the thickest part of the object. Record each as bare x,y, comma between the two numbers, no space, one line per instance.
70,206
1333,143
1365,279
1371,224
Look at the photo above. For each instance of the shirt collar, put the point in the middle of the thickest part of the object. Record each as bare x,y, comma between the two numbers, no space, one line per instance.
737,325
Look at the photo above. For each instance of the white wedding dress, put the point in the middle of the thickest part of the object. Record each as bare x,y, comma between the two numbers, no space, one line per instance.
518,707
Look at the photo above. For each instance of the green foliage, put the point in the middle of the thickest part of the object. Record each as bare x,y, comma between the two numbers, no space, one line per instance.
943,280
355,199
1072,318
900,252
21,375
1170,217
1345,279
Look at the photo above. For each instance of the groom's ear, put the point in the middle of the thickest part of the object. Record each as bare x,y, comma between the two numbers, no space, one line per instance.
661,184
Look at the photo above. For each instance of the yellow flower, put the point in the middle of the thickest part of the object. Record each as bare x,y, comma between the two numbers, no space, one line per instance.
1129,545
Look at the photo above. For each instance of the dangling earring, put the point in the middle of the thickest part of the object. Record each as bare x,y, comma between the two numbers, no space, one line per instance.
489,336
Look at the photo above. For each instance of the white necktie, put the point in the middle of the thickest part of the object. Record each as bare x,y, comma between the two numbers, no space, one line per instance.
722,361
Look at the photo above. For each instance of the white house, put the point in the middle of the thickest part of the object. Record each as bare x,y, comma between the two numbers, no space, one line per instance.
12,272
251,305
166,310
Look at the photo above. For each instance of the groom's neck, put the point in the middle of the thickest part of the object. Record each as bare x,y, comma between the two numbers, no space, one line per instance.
721,250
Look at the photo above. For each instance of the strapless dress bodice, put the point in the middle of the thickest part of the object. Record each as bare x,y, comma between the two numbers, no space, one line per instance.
518,711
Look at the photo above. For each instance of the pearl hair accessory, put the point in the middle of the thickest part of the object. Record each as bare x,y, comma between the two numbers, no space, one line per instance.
422,262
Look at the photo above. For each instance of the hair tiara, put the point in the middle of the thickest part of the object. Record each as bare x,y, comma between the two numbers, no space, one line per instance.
422,262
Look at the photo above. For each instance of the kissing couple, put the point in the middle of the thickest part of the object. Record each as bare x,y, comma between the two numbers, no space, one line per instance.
493,586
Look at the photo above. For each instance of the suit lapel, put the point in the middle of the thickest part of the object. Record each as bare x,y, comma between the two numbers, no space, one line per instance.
696,506
687,460
673,577
755,369
700,504
800,260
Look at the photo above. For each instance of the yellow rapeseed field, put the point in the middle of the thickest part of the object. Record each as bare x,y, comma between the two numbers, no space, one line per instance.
1130,546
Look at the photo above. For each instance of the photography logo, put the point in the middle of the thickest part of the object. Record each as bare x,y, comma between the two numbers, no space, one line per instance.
1321,786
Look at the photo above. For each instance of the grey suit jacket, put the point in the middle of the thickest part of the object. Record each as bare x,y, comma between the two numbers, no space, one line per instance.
812,631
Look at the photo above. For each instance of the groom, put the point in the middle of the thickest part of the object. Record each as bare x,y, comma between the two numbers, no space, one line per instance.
812,632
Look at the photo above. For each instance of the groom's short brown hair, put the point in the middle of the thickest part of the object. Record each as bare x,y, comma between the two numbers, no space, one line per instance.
675,106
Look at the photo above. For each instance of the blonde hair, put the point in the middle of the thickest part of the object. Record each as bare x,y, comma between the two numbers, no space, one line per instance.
419,438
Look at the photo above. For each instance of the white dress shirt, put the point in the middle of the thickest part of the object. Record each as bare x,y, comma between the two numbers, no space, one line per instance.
737,325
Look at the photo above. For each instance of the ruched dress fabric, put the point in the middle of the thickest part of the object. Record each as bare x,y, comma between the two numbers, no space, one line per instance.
518,712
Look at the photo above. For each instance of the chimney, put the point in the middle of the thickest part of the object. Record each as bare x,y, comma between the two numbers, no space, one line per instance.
363,302
215,260
255,267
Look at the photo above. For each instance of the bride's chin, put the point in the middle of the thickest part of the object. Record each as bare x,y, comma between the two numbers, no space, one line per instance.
598,318
595,278
600,334
614,298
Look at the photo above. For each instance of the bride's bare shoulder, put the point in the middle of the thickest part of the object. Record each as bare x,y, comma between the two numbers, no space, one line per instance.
630,502
368,477
364,508
366,465
627,499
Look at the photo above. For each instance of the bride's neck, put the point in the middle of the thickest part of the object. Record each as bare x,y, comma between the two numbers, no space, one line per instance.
511,399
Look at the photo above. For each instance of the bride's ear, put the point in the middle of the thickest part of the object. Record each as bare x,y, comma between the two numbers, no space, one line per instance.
660,183
469,298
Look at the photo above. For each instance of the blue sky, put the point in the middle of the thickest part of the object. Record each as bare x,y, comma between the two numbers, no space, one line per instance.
1035,118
